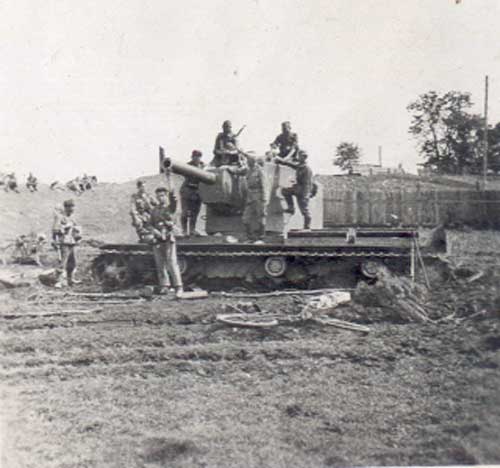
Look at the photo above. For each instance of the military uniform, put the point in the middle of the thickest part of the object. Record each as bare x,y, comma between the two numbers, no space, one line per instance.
66,234
286,143
141,221
190,200
144,199
301,190
225,150
164,247
141,205
257,199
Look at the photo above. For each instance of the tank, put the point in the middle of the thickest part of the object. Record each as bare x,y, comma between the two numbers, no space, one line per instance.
290,256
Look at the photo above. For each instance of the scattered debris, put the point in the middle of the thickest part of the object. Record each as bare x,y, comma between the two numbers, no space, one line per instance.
324,303
286,292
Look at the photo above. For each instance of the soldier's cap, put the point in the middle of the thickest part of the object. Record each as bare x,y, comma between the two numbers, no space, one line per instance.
69,203
227,123
286,122
196,154
161,190
140,183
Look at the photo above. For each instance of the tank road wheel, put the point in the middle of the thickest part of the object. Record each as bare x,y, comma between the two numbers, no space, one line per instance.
112,271
275,266
183,264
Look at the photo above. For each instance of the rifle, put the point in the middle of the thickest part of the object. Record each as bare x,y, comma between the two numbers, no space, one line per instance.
238,133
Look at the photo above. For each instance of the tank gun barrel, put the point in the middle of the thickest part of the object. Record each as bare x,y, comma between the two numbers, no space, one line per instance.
187,170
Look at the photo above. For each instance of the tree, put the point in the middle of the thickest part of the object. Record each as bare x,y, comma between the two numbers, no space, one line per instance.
448,137
347,154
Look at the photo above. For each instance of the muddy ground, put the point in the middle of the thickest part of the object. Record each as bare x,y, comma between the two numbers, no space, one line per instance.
142,383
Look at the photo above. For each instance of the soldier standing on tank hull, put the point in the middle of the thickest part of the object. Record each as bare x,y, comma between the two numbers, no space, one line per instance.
257,199
66,235
302,188
190,198
164,245
286,142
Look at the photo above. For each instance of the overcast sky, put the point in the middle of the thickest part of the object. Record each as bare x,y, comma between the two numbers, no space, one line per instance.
96,86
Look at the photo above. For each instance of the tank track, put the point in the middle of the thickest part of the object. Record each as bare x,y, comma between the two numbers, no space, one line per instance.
240,266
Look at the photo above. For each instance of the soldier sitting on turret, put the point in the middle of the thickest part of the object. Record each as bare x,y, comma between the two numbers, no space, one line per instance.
226,150
190,197
286,142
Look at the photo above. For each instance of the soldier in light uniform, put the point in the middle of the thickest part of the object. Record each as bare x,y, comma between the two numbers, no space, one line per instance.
257,198
164,246
286,142
190,197
66,235
302,188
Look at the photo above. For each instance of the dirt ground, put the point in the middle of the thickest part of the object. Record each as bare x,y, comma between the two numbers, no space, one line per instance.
136,383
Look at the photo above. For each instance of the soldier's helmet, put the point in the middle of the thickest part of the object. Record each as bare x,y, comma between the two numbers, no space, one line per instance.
68,203
196,154
226,125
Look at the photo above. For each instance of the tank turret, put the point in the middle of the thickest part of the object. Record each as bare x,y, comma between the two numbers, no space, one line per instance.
224,194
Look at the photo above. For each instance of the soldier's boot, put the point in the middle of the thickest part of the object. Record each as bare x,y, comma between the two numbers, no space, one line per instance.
179,292
307,223
184,225
192,227
261,232
249,233
289,202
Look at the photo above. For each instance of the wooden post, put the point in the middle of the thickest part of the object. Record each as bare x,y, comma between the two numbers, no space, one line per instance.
485,136
412,260
419,205
436,208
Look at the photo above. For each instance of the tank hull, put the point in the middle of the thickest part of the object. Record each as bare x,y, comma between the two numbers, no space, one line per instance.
315,259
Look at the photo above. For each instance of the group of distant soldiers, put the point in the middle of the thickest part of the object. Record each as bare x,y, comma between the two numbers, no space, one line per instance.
10,184
153,218
77,185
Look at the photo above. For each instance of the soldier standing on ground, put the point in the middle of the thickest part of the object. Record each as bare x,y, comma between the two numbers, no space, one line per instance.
302,188
257,199
164,245
141,219
286,142
11,183
66,235
190,197
226,147
141,206
32,183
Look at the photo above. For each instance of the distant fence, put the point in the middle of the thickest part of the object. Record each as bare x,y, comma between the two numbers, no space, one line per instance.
413,208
